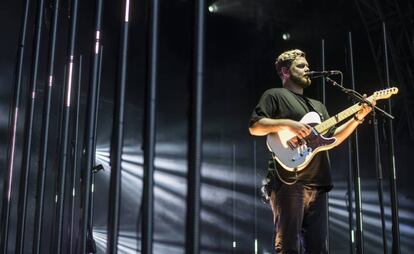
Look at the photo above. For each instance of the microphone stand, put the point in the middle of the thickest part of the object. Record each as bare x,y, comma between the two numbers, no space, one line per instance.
378,165
380,187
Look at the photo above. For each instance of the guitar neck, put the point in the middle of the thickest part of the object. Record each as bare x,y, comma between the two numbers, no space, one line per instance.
327,124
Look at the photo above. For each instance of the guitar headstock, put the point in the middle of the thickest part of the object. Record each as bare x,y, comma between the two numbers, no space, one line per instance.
385,94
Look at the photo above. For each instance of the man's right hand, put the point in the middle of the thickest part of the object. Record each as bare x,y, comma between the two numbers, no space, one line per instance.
300,129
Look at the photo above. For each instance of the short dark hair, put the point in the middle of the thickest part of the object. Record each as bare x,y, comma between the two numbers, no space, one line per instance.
286,58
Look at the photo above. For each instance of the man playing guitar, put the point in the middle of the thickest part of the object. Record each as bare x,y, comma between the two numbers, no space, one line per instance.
298,197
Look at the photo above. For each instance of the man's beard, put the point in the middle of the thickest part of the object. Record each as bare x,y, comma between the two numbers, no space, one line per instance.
301,81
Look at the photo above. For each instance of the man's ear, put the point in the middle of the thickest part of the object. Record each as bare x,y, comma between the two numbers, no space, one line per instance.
284,71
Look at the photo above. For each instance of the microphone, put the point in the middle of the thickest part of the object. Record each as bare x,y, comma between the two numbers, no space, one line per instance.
316,74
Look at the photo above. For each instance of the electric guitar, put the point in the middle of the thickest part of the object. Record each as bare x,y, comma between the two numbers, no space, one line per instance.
294,153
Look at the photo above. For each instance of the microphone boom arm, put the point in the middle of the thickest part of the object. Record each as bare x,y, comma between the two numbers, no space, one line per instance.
358,96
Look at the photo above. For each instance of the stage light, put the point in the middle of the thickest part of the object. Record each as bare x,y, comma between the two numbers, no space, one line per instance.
256,246
286,36
213,8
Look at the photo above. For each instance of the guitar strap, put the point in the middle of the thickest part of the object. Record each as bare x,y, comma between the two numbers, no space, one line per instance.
311,106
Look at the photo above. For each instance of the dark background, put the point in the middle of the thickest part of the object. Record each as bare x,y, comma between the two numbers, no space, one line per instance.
243,38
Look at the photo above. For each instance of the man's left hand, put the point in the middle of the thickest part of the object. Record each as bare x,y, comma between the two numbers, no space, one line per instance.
364,111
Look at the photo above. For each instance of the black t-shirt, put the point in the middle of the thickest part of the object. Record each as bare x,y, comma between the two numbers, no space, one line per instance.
281,103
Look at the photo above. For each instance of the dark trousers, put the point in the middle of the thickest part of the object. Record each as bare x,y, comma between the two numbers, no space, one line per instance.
300,219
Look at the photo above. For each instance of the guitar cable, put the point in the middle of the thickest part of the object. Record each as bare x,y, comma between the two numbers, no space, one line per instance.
280,177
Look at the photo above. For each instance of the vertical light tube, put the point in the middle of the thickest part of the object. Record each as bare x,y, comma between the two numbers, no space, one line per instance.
359,244
391,152
255,197
7,189
44,136
28,133
195,132
90,126
69,84
350,199
95,137
92,175
380,186
256,246
117,141
75,157
324,103
61,183
323,69
149,131
233,200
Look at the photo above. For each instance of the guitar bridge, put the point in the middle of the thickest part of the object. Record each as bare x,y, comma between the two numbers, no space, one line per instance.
296,142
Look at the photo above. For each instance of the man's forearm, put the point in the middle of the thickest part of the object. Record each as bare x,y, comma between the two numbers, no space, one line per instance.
267,125
346,129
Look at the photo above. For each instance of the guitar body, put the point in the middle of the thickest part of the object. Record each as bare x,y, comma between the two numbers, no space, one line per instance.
293,153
